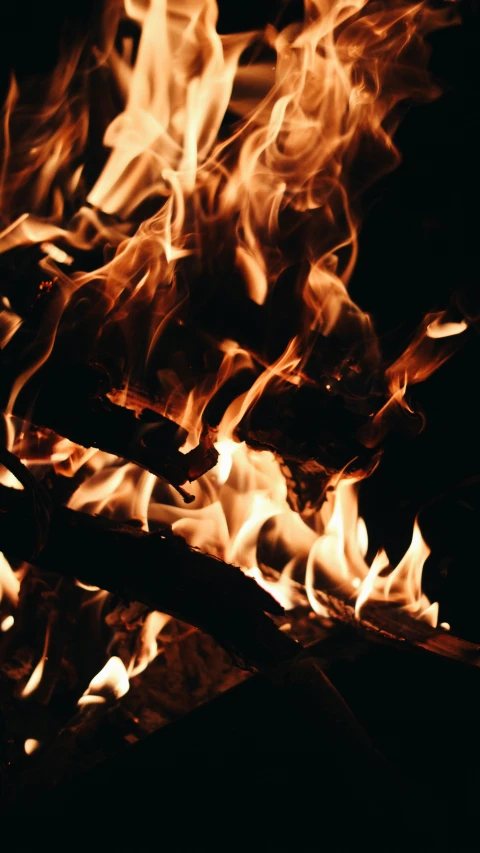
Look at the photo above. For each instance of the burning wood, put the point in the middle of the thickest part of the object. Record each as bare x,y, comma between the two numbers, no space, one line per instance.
72,401
157,569
205,268
163,572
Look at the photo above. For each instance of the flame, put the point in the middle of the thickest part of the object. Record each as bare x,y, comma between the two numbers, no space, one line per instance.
35,679
109,684
9,582
10,322
148,648
7,623
31,745
403,585
439,329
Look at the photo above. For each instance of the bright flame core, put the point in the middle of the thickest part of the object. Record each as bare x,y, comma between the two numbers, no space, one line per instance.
110,683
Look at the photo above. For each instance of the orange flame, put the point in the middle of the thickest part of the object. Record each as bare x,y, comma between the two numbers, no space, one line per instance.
403,585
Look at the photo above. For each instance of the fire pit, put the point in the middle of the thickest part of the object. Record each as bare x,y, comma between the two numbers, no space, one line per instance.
197,411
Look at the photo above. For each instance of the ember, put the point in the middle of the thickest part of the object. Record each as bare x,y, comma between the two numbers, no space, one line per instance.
192,399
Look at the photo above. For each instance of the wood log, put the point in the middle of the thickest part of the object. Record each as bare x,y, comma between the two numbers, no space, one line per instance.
158,569
313,427
386,623
71,399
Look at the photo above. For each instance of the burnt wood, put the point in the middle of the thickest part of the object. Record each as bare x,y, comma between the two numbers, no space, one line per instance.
158,569
163,572
72,400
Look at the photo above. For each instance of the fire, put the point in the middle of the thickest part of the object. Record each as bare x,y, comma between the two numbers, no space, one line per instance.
7,623
31,745
401,586
148,647
9,581
35,679
186,199
110,683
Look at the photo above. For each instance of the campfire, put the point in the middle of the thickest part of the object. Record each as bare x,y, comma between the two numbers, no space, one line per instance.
192,401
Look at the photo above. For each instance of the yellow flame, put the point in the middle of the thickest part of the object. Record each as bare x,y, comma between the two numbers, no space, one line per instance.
402,586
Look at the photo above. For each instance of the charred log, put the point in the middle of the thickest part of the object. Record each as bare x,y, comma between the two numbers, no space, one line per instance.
71,400
313,427
313,432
